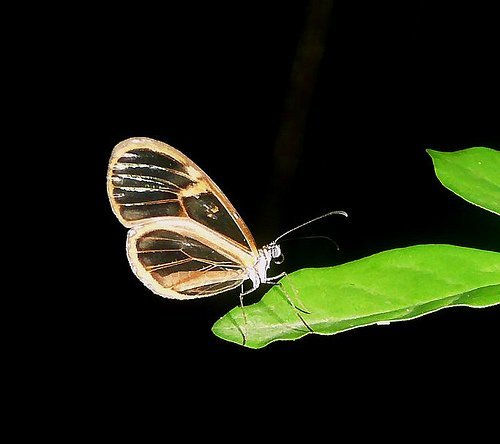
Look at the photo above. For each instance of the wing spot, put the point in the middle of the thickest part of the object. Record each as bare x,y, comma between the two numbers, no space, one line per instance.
193,172
194,190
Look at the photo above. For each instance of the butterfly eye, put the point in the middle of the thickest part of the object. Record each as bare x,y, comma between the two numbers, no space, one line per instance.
279,260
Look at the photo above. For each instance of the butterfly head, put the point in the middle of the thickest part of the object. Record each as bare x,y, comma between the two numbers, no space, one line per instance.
275,252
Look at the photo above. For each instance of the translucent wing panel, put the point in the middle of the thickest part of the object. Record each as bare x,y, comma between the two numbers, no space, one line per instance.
206,209
180,266
148,179
146,184
211,289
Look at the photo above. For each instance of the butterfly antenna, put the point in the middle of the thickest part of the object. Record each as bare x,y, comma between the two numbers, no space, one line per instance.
331,213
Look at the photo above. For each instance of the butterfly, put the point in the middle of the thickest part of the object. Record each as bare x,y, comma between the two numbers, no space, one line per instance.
185,238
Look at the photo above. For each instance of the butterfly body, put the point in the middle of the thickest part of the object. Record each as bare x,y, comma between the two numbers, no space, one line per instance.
258,273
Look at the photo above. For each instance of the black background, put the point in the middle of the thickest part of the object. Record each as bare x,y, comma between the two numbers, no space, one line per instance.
213,80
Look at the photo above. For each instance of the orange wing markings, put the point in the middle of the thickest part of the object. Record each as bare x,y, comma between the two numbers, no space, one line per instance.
199,274
208,283
217,287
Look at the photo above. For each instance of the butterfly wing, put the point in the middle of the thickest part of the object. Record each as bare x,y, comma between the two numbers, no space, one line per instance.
148,179
179,258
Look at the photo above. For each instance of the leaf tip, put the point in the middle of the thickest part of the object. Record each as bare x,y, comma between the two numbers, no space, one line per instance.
432,152
228,329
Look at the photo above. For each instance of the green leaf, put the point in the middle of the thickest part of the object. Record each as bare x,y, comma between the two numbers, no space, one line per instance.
473,174
393,285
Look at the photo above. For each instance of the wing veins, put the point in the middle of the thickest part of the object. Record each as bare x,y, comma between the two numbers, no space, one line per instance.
150,179
150,202
125,165
170,264
158,251
217,264
203,271
144,189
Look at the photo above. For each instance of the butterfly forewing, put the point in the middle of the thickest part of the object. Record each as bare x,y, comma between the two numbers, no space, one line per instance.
182,259
148,179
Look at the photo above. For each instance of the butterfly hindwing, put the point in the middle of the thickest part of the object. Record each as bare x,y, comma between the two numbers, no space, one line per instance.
180,258
148,179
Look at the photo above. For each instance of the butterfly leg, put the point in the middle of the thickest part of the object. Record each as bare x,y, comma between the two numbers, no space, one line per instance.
243,293
255,285
279,276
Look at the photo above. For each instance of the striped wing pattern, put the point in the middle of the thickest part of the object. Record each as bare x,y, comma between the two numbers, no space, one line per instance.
186,240
149,179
